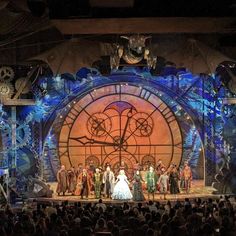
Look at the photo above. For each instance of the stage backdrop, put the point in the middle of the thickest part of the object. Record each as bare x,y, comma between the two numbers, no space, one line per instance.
116,123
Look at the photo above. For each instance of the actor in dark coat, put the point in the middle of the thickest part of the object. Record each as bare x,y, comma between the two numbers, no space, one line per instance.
72,180
62,181
137,187
173,180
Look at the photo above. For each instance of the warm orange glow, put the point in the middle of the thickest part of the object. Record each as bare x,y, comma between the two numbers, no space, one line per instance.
116,123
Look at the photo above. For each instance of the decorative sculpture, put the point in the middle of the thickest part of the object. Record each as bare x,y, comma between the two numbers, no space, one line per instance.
134,52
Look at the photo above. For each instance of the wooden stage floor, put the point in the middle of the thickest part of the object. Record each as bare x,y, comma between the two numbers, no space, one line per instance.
198,190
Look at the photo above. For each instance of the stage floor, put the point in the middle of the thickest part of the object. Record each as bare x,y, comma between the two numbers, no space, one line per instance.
197,190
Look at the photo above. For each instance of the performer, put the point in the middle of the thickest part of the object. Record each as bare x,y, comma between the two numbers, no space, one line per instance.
151,181
143,173
78,170
173,180
72,180
61,181
108,181
83,185
97,183
137,187
91,170
121,189
159,167
163,182
187,177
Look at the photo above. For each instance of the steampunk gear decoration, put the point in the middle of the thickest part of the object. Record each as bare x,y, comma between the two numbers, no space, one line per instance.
6,90
6,74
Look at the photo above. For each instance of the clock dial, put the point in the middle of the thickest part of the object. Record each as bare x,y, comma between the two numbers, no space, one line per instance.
118,123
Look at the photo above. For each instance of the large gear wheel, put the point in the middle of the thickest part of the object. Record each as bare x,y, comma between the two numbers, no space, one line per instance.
6,90
23,135
6,74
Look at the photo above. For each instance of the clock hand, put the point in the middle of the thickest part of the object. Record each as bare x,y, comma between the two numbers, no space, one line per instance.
140,124
85,140
126,126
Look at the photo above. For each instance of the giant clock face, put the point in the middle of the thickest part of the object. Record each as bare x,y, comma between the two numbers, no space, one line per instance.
118,123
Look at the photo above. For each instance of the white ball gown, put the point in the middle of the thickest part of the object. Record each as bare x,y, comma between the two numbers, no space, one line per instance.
121,190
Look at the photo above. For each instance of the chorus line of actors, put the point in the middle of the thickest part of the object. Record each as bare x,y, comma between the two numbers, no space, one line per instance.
84,181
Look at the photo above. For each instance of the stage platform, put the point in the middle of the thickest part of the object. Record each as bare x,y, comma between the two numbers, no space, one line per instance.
198,190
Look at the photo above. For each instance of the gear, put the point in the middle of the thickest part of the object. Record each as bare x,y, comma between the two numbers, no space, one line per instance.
6,90
6,74
23,135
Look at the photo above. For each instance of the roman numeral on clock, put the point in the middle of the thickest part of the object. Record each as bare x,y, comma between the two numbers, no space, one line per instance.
145,94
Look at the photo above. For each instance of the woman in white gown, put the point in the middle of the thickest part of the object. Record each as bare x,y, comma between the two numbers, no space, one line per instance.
121,190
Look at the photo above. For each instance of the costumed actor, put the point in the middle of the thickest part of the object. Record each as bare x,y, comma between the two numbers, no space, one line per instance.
173,180
62,181
163,182
187,177
108,181
83,186
97,183
121,189
137,187
151,182
71,173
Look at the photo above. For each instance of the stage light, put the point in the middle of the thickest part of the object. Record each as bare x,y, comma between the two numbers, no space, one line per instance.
61,117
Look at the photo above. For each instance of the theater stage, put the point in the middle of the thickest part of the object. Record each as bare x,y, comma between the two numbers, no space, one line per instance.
198,190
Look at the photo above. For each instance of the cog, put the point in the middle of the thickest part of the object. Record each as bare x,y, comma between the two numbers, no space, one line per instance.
23,135
141,124
99,124
6,74
6,90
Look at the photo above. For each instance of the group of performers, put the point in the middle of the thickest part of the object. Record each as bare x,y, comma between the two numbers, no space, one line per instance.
84,181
